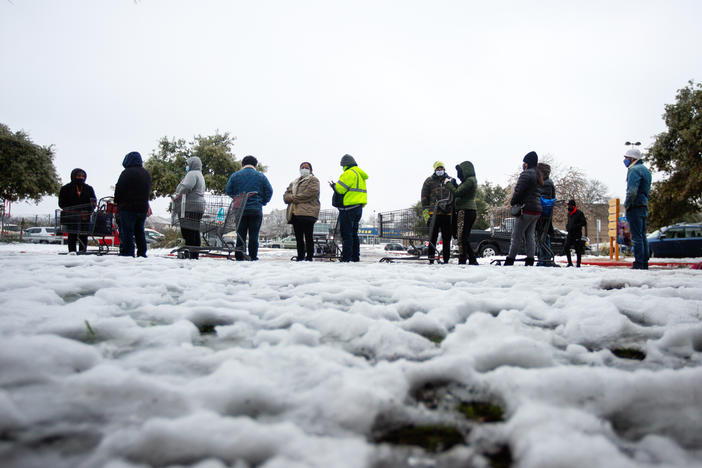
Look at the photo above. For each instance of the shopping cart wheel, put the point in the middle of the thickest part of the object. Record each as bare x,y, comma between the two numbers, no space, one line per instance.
183,254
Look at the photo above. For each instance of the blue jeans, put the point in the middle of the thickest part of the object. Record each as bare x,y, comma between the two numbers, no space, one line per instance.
348,223
636,216
131,230
249,226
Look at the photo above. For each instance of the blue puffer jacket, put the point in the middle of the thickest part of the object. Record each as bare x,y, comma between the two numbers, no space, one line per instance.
249,179
638,186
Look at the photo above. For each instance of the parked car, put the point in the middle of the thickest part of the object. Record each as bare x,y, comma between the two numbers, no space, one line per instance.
11,231
488,244
678,240
42,235
286,243
151,236
394,247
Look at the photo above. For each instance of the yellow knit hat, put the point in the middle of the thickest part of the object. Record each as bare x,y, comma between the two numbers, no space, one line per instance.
438,164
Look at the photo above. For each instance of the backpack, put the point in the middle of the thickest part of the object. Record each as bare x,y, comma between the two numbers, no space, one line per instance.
547,205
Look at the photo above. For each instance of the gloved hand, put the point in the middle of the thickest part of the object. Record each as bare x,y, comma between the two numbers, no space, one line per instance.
425,215
449,179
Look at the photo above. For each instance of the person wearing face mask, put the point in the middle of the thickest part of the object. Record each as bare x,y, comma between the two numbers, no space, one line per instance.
526,195
435,190
638,187
132,193
77,200
302,198
191,190
575,225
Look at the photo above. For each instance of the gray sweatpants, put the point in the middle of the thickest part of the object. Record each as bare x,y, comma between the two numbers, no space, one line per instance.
524,228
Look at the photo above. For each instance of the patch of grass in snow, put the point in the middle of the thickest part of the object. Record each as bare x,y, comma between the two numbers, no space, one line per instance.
481,411
500,459
609,285
629,353
433,438
74,296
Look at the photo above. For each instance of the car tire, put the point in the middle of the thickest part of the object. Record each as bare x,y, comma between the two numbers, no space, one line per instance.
488,250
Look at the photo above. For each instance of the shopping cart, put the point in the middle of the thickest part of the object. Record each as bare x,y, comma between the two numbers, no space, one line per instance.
217,224
325,234
408,225
95,220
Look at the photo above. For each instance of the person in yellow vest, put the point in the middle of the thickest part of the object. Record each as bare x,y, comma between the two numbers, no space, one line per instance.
352,187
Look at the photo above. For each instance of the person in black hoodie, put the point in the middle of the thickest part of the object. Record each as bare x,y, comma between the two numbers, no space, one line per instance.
76,200
576,223
526,195
132,193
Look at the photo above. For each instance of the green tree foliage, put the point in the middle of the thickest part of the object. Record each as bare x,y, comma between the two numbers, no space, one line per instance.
28,170
167,163
488,196
678,154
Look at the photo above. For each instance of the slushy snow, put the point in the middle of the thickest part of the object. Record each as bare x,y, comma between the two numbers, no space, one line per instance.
115,362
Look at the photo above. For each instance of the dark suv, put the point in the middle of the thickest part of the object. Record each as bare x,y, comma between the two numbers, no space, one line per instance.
678,240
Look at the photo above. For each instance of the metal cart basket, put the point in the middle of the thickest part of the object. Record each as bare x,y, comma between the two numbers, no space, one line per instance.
217,224
408,225
325,235
96,220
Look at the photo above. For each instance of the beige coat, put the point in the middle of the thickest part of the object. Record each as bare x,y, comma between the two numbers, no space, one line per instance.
303,196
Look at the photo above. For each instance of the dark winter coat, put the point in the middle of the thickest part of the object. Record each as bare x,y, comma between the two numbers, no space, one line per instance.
576,222
74,194
133,187
465,192
433,190
247,180
526,191
548,190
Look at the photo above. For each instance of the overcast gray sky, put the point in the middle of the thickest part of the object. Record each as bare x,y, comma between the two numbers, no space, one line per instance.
397,84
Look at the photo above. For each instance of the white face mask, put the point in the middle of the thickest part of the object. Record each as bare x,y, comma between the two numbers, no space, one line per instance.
440,173
304,172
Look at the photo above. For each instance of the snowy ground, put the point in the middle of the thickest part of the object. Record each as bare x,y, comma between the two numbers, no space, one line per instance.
107,361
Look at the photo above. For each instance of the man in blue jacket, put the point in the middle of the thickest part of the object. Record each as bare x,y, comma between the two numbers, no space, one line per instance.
638,187
248,179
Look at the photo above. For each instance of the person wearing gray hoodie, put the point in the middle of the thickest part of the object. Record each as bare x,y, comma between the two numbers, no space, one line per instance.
189,201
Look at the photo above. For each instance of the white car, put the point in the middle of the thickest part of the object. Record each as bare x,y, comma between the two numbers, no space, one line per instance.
42,235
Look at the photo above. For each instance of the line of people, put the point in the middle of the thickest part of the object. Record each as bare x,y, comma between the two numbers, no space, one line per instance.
443,199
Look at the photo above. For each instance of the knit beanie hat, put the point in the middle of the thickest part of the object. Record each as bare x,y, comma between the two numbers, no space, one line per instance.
249,161
633,153
309,164
532,159
347,160
438,164
77,171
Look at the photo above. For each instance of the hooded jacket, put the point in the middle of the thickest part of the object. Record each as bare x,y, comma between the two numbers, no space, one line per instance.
305,190
526,191
74,194
352,185
248,179
192,187
133,187
465,192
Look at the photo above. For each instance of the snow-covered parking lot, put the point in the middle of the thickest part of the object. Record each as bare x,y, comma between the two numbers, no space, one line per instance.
115,362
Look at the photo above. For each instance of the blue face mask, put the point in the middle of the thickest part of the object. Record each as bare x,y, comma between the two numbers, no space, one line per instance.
627,162
187,168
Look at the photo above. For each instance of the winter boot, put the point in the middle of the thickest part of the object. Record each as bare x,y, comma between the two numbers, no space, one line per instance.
529,261
508,261
461,259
